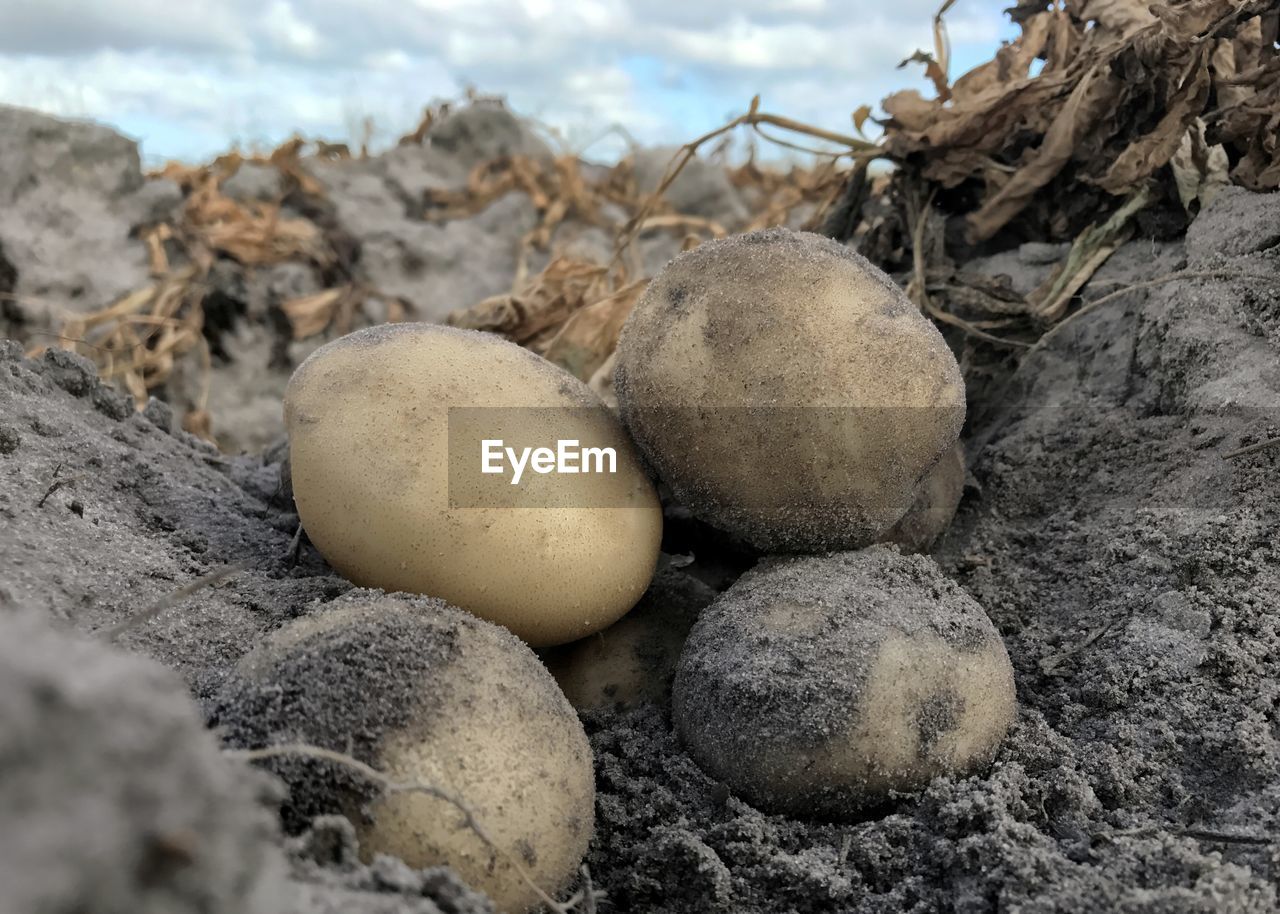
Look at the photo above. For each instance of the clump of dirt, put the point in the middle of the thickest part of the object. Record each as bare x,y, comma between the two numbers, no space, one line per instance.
115,796
330,879
148,508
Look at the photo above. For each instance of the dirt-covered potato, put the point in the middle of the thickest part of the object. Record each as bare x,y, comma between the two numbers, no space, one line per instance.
937,498
401,486
819,686
787,390
633,660
424,693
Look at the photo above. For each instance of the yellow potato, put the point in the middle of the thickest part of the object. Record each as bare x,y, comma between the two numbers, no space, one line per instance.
387,430
787,390
424,693
632,661
937,498
820,686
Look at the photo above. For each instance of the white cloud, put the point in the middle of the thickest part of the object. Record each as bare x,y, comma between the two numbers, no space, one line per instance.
282,25
195,74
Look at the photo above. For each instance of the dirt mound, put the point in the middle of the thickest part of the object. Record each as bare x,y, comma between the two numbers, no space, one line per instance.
71,194
1128,561
119,525
115,795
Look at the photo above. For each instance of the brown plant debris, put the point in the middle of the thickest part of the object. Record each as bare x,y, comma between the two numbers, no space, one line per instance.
1093,99
1104,120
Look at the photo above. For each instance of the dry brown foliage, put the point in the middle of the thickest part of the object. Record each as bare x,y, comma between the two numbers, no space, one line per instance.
137,339
572,312
1102,119
1123,86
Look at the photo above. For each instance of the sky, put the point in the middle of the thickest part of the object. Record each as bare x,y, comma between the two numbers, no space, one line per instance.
191,78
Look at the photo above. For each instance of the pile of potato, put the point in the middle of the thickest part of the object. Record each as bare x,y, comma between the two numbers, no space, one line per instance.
785,393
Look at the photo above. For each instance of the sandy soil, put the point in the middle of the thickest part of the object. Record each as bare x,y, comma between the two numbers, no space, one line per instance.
1128,563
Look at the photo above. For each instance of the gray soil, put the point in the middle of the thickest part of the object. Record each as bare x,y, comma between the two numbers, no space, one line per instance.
1129,565
115,797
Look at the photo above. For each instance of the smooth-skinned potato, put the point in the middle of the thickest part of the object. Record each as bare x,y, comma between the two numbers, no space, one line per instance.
787,390
632,661
385,432
820,686
424,693
937,498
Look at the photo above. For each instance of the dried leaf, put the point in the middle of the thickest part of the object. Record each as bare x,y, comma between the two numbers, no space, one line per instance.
199,423
909,110
311,314
1088,252
1200,171
544,302
1095,94
287,158
157,258
590,336
860,116
1121,18
1188,20
684,223
933,69
1153,151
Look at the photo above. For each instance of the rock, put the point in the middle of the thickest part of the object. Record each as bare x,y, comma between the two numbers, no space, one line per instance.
1208,345
1042,253
413,171
36,149
158,200
435,266
363,196
1023,273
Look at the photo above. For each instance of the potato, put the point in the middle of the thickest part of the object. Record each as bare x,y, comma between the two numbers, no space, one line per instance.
787,390
818,687
937,498
386,432
423,692
632,661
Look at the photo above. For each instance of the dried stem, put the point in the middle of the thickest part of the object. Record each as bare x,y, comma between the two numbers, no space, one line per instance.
113,632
